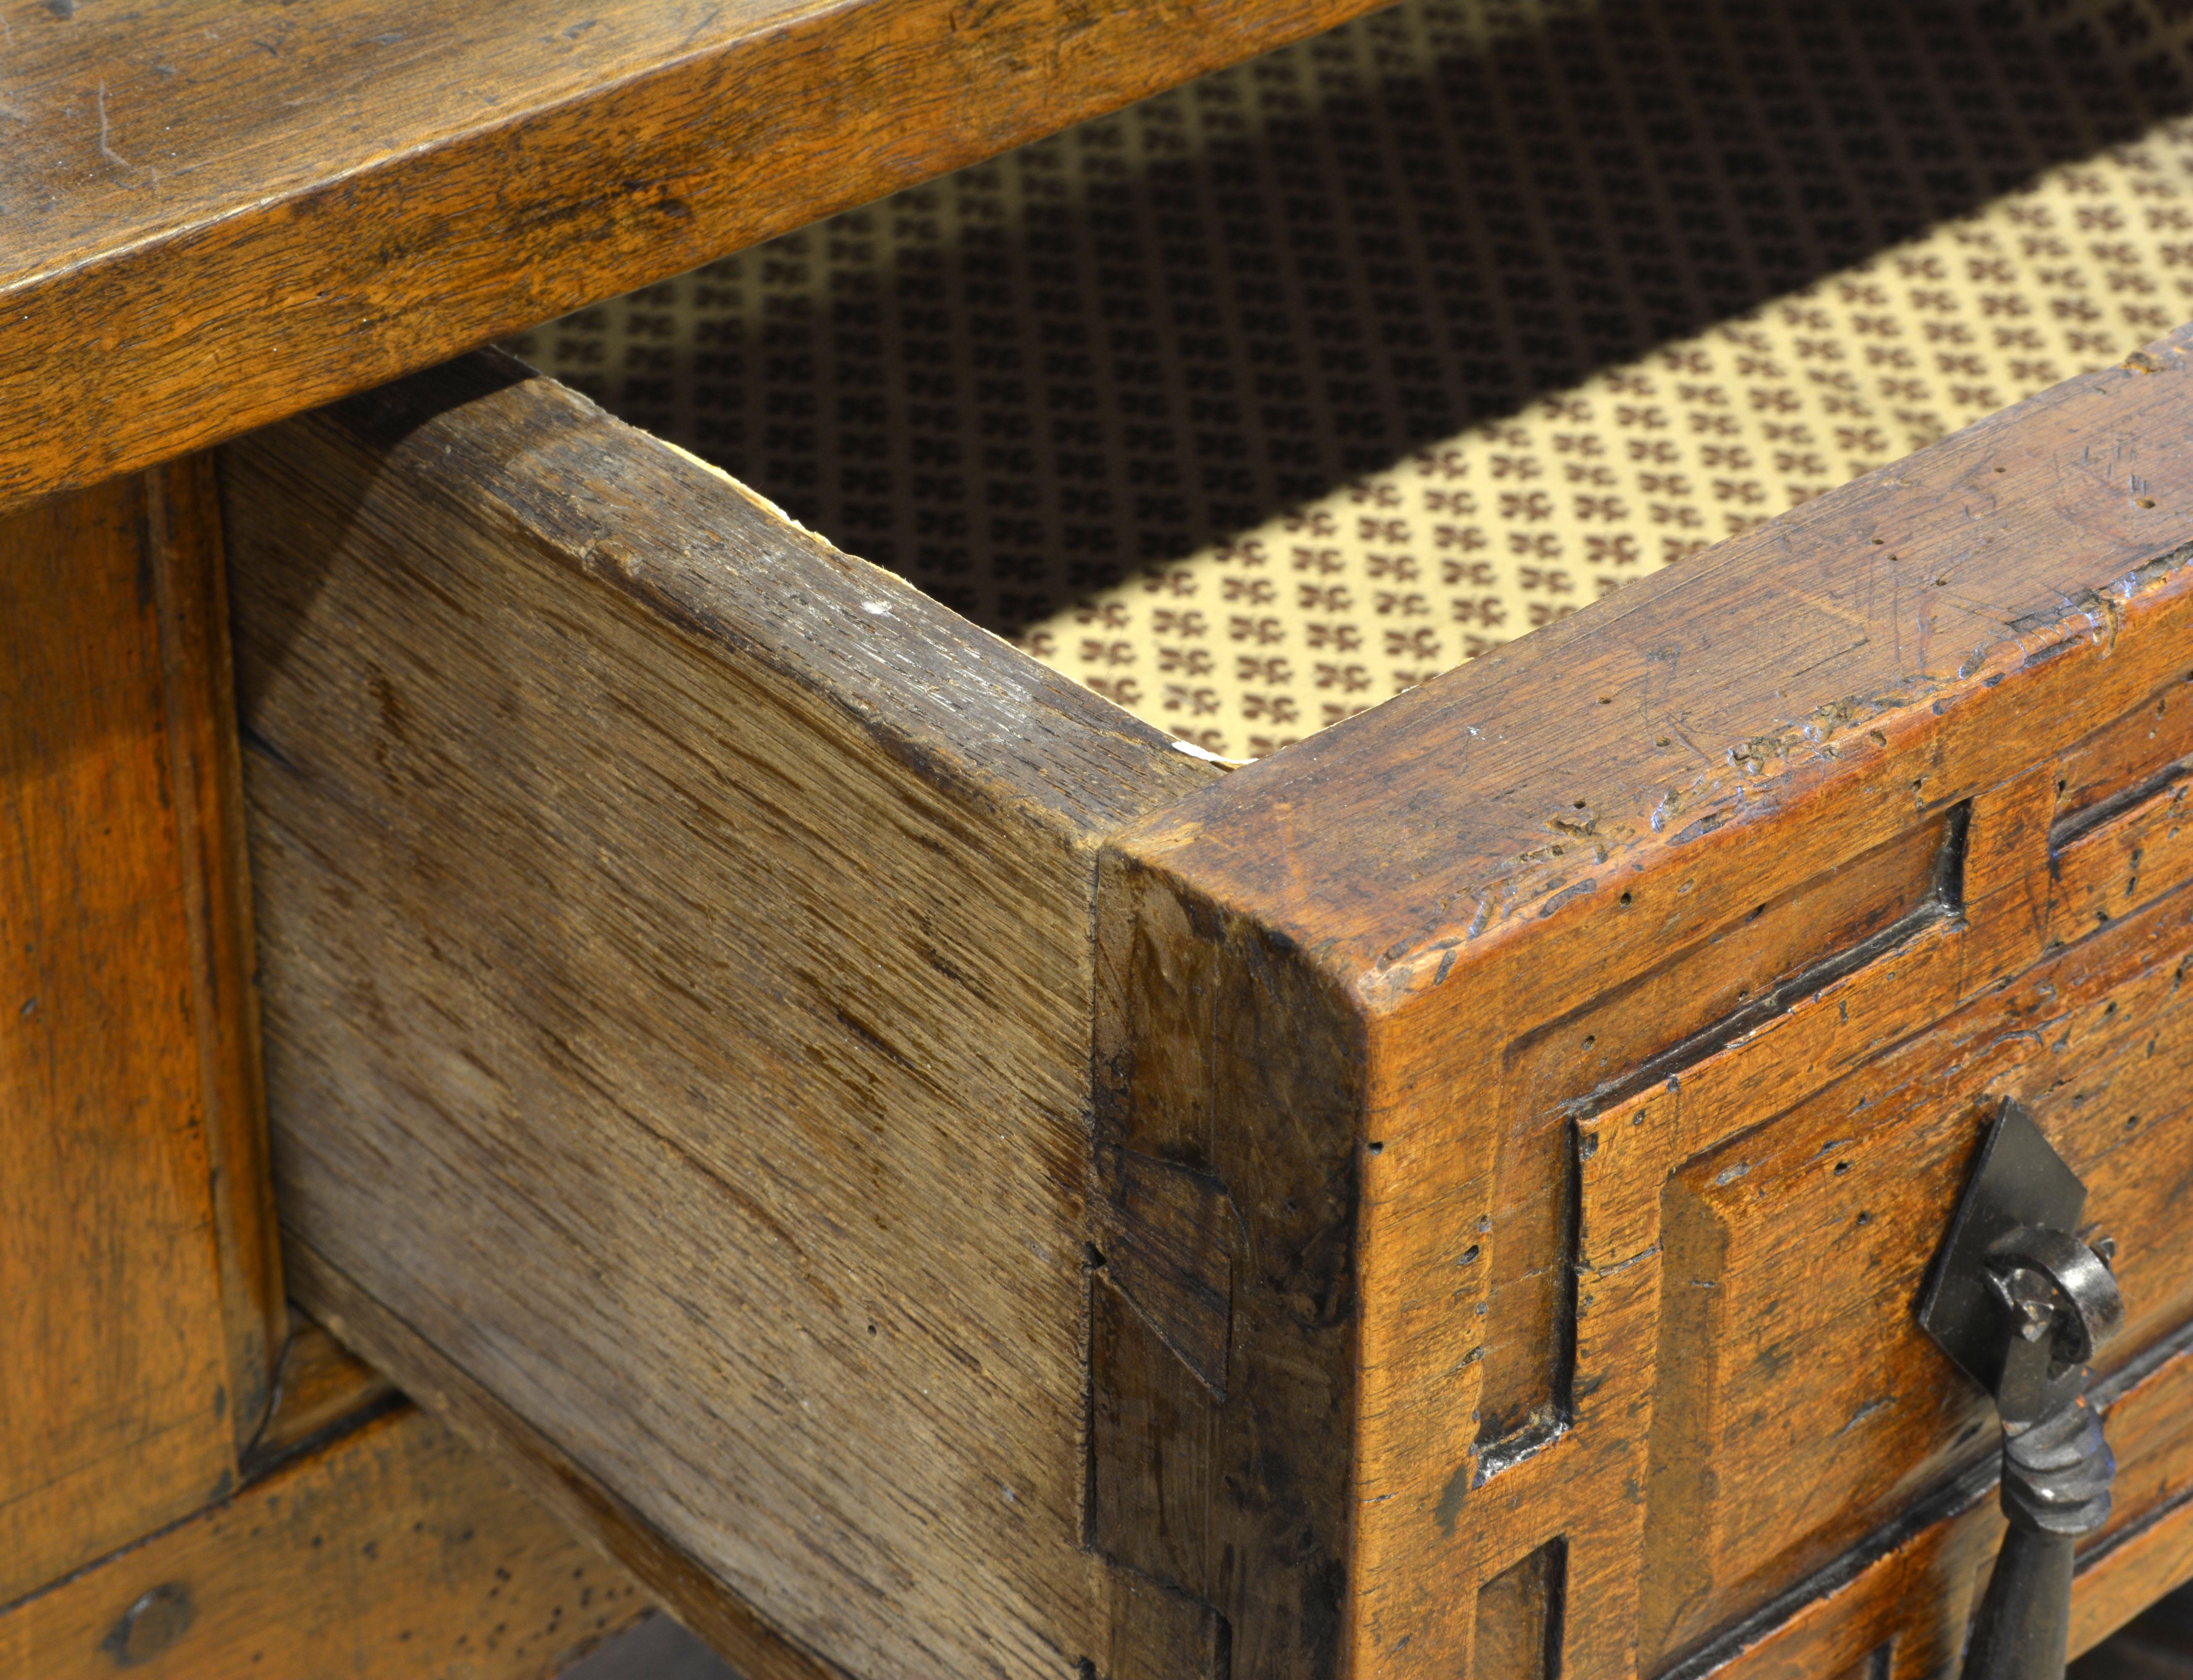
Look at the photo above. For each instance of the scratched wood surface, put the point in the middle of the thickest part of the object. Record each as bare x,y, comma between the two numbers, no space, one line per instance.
676,942
140,1295
215,214
1654,973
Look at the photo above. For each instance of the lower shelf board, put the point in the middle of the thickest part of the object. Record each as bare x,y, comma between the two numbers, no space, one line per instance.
391,1553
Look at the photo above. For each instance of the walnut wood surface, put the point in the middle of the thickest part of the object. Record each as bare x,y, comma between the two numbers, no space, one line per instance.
139,1295
217,214
676,941
392,1553
189,575
1441,909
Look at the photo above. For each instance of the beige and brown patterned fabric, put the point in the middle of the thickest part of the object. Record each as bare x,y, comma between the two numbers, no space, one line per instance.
1265,399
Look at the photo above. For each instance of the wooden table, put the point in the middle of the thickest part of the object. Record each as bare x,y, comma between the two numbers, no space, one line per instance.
928,1175
214,215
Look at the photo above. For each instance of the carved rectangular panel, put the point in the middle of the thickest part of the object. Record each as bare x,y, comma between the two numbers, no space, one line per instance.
1717,980
1799,1408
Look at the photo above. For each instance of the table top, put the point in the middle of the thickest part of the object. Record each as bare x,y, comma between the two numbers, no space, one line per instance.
215,213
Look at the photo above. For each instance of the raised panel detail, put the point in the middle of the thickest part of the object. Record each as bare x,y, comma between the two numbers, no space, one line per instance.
1519,1618
1800,1408
1720,983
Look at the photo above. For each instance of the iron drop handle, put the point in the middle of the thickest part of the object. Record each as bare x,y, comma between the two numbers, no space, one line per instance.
2022,1305
2055,1487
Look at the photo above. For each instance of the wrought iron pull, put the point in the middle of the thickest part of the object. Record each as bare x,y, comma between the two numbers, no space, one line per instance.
2022,1305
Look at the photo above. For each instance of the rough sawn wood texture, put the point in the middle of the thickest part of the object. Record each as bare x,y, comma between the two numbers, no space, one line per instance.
678,954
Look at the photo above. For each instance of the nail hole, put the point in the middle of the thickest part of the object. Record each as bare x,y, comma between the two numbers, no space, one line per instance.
1376,1148
1590,1040
1624,899
1841,1167
1467,1255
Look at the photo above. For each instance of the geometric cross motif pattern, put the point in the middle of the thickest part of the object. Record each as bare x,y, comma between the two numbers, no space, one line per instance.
1269,397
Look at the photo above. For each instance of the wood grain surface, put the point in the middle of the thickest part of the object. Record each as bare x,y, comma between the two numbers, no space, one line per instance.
734,1628
320,1386
676,941
1223,1056
139,1295
1471,881
392,1553
189,575
218,213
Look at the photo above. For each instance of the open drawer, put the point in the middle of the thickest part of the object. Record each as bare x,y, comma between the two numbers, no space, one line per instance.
943,1181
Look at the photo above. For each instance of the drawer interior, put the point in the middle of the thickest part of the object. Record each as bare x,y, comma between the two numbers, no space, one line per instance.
1271,396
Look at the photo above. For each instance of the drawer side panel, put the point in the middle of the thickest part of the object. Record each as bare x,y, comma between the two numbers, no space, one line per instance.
677,956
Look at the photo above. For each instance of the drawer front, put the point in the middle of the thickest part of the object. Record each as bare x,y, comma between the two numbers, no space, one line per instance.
1663,972
1798,1407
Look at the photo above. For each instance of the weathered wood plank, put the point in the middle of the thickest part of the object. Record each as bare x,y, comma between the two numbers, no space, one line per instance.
214,216
1220,1051
392,1553
677,940
140,1296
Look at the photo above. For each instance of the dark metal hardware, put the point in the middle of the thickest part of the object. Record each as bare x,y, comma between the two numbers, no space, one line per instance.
2021,1303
